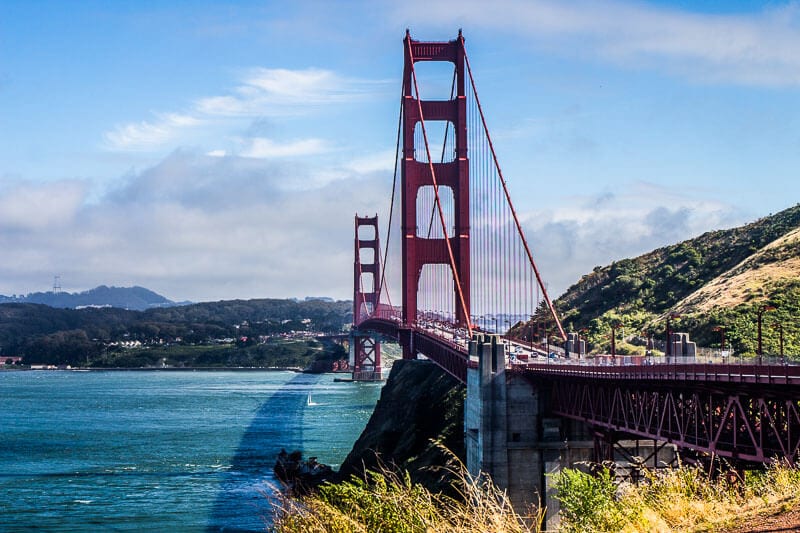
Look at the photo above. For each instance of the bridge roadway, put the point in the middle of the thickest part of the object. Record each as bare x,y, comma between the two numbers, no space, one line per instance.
744,412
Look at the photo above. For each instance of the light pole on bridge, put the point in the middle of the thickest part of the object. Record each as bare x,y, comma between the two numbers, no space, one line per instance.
648,343
779,327
547,342
532,333
614,328
721,330
760,313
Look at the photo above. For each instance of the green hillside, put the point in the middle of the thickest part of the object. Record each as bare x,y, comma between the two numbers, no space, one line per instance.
718,279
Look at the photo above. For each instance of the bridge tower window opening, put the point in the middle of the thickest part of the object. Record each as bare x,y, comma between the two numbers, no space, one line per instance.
436,80
441,141
368,282
435,301
367,256
366,232
429,225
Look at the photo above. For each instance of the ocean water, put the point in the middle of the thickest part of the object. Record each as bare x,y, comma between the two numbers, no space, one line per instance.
163,451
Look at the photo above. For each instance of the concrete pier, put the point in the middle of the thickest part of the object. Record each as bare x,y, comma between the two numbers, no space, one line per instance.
508,437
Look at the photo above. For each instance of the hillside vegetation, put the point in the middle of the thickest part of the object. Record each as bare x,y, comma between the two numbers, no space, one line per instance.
225,333
719,279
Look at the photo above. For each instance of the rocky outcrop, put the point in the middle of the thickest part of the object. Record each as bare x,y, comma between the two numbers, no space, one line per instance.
299,475
418,418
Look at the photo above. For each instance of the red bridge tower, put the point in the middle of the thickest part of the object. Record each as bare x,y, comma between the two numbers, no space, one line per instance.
366,350
418,171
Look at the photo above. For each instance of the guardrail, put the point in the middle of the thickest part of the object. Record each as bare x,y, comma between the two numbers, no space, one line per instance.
733,373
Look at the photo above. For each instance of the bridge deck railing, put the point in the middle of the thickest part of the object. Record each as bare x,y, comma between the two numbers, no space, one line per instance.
739,373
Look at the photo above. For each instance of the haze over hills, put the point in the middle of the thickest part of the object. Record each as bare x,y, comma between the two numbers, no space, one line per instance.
132,298
719,279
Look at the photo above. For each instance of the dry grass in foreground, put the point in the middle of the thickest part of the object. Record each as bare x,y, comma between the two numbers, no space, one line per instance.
388,502
685,499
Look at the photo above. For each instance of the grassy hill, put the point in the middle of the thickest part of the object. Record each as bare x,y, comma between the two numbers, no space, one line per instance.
719,279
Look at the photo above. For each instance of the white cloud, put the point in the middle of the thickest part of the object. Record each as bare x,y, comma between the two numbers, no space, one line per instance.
262,93
284,92
37,207
752,49
260,147
192,227
570,240
378,161
145,135
200,227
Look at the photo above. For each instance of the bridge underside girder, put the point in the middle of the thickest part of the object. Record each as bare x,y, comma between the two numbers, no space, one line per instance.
738,421
447,356
452,358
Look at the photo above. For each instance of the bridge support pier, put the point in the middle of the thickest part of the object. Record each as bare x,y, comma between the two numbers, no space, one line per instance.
365,357
508,436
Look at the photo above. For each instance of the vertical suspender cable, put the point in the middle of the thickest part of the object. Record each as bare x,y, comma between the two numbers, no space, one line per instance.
508,197
391,205
456,276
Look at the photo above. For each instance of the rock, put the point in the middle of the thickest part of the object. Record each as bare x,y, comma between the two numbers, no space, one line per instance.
299,475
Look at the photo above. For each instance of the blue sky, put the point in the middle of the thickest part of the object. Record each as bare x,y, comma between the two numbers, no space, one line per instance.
214,150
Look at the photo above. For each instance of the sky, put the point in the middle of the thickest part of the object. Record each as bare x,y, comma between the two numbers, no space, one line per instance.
215,150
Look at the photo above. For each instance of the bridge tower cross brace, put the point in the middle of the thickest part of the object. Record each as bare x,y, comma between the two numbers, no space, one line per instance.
418,250
366,351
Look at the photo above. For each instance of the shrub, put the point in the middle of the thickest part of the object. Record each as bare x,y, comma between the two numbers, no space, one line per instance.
588,502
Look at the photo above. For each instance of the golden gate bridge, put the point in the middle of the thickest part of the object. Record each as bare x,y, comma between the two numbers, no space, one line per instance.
466,272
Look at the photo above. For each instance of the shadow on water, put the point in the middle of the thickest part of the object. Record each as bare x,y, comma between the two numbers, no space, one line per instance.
242,504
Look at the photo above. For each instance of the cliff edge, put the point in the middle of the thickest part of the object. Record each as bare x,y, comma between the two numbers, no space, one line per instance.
420,405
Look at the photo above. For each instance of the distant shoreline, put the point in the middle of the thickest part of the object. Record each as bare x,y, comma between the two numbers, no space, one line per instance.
165,369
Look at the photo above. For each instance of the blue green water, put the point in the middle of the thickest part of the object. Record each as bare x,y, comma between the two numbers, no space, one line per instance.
161,451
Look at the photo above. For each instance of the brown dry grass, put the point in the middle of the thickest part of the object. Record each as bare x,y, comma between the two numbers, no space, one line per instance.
388,502
745,281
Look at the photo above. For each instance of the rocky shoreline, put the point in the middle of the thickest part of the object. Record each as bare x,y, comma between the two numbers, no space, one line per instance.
416,426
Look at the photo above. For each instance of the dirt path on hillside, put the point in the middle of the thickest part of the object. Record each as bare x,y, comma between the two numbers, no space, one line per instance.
780,522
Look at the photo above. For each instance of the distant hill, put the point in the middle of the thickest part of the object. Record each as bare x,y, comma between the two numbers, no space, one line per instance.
94,336
720,278
132,298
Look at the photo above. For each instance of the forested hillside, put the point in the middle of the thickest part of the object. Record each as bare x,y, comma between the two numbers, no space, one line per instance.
101,336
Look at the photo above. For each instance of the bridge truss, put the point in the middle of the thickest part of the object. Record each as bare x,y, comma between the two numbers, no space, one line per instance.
744,413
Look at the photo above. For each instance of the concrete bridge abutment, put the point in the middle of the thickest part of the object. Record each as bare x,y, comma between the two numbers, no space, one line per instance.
509,436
